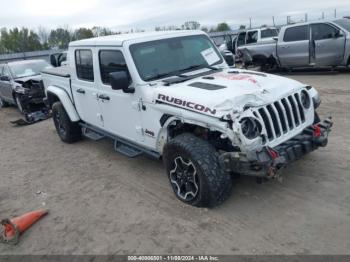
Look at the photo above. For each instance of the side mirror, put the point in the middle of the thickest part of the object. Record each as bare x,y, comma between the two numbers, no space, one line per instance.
5,78
275,38
121,81
338,34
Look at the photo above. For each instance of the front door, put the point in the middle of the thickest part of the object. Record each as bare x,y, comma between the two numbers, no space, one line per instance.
328,45
6,86
84,88
121,111
294,50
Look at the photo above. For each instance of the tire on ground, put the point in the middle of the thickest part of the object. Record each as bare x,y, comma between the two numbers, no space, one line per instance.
18,102
214,184
68,131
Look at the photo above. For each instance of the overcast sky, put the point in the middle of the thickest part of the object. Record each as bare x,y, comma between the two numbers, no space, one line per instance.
146,14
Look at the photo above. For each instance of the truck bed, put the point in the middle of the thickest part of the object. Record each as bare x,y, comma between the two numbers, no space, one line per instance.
58,77
63,71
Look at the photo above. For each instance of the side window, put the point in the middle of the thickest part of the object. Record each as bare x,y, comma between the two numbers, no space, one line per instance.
111,61
84,65
252,37
323,31
241,39
297,33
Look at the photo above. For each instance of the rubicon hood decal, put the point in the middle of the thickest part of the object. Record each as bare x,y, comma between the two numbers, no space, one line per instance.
237,77
188,104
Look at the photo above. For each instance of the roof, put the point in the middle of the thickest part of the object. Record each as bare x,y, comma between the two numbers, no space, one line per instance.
118,40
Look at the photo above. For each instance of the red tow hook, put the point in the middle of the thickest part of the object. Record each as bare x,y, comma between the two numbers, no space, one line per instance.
317,131
273,153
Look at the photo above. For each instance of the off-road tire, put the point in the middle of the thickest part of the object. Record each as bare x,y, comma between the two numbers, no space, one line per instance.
214,184
68,131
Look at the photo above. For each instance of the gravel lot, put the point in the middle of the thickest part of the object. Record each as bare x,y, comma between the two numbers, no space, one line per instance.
104,203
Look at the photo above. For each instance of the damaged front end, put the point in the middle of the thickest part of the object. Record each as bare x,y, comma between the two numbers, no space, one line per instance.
274,134
269,161
29,96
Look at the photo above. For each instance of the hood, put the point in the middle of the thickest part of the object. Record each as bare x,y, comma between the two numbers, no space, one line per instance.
22,80
227,91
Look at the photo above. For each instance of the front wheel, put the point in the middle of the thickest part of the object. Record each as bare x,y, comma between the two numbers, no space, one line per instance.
68,131
194,171
19,103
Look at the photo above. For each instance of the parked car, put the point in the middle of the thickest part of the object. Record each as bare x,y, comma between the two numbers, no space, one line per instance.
20,84
311,44
172,96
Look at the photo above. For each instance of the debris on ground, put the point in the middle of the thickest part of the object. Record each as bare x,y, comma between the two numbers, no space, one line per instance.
13,228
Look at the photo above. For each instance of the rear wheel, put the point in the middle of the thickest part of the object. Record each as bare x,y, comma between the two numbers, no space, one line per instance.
68,131
194,171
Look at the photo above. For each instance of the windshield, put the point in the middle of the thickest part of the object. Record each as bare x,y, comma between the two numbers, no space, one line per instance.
269,32
173,56
344,23
28,68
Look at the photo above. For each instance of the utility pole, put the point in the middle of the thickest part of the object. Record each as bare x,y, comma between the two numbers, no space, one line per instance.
306,18
250,23
335,13
322,15
273,21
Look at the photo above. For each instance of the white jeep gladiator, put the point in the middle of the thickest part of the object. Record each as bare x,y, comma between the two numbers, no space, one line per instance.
172,96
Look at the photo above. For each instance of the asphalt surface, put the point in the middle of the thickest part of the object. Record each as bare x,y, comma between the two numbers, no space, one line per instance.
102,202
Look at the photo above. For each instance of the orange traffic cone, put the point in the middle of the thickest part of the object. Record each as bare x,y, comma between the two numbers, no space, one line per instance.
16,226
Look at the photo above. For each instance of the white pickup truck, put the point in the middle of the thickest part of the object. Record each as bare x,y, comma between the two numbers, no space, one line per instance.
172,96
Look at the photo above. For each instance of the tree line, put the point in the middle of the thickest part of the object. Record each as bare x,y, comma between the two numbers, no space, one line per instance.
17,40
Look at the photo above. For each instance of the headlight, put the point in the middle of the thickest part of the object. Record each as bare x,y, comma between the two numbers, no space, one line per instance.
305,99
251,128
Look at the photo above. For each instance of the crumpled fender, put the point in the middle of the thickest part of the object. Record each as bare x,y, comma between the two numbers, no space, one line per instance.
66,102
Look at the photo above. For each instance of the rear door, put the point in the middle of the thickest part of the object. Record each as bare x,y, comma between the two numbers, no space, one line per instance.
328,45
294,49
84,88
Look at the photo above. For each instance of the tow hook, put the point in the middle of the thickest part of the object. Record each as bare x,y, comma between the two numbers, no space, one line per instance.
272,172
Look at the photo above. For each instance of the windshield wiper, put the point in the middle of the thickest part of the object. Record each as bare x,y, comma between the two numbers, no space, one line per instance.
155,77
199,66
178,73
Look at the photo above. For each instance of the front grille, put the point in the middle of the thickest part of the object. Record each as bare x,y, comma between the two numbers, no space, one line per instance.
281,116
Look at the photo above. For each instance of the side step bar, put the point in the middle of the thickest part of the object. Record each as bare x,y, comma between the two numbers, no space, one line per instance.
126,149
92,134
121,145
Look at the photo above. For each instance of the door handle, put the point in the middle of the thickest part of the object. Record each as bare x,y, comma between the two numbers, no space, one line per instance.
104,97
81,91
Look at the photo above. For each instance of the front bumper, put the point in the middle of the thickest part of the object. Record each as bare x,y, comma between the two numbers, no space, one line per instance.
270,161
